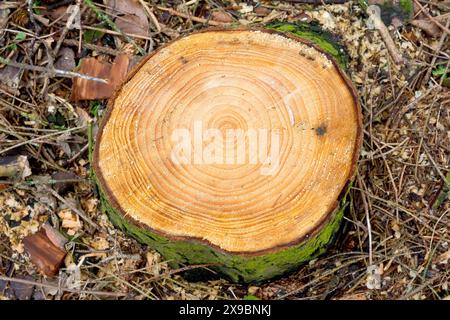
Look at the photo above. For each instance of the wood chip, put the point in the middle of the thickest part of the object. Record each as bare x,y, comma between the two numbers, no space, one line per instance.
15,167
43,252
115,73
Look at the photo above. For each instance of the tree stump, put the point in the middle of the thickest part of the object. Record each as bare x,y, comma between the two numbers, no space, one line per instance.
233,148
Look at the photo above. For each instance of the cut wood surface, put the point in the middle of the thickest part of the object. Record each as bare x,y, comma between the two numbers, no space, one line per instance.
230,79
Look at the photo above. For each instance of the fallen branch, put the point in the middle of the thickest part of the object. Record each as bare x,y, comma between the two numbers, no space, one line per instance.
151,15
375,19
51,286
56,72
40,138
100,49
193,18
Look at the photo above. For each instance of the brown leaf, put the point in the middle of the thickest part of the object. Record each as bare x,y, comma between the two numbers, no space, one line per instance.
57,13
22,291
130,16
66,59
10,76
261,11
115,73
221,16
63,186
430,28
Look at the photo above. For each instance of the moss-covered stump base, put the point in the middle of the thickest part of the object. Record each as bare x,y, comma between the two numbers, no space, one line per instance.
232,148
239,269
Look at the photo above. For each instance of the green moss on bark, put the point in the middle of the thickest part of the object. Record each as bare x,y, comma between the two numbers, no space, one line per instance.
237,268
314,33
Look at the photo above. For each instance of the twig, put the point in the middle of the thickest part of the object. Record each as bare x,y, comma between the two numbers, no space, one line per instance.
90,135
52,286
115,33
74,10
56,72
39,138
374,18
151,15
30,11
94,47
435,21
175,271
79,153
435,165
438,48
105,18
193,18
366,209
32,182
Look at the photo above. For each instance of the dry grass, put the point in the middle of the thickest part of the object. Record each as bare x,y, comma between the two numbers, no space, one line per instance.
395,240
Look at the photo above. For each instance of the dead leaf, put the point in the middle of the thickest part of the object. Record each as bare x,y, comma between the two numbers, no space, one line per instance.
130,16
63,185
57,13
66,59
221,16
261,11
443,258
10,76
430,28
83,118
115,73
22,291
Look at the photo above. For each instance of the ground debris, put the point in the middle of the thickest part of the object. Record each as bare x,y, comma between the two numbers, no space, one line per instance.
46,250
115,73
402,165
